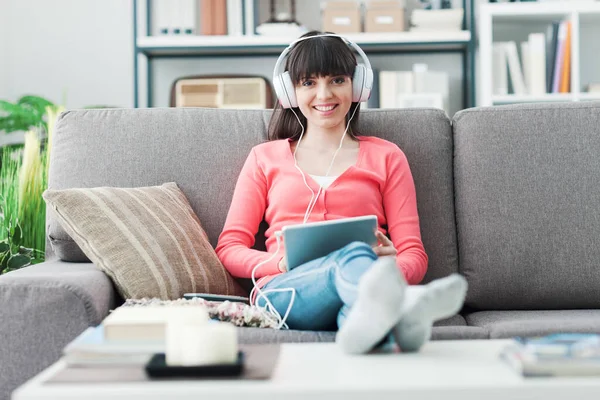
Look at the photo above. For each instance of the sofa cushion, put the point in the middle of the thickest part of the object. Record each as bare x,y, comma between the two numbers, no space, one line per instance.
506,324
527,201
442,330
458,333
203,150
147,240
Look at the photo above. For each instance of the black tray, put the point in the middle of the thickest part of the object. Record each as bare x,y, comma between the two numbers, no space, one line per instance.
157,368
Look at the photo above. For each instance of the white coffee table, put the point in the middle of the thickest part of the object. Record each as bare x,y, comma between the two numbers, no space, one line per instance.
447,370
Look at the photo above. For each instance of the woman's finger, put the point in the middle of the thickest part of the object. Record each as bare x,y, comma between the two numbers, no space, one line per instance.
382,251
384,239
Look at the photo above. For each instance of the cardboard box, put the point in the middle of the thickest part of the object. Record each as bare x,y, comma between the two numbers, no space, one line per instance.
384,16
341,17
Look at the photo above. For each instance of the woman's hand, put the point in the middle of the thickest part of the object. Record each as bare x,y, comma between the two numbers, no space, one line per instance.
385,246
282,265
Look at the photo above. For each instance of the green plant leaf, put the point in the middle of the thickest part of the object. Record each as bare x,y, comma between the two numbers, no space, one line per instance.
18,261
17,235
4,260
4,247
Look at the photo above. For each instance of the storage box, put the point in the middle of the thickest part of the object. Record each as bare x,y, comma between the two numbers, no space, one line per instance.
341,17
222,93
384,16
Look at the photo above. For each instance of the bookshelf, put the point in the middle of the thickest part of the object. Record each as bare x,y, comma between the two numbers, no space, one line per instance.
514,21
149,48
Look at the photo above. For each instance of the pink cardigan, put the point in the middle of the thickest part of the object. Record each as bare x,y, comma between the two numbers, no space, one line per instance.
270,187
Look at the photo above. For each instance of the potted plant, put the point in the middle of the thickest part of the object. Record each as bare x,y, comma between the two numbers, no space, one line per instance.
23,178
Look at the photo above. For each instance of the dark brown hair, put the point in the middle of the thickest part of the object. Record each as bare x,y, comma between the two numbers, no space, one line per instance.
324,56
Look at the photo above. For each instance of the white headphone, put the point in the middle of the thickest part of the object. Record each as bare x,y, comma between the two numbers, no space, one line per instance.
362,80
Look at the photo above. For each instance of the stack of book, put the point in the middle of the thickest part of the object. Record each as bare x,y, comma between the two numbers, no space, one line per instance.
127,336
564,354
544,65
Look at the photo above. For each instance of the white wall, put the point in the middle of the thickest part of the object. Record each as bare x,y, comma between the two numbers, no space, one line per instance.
73,52
3,47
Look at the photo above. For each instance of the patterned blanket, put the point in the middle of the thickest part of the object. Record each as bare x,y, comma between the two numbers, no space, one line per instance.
239,314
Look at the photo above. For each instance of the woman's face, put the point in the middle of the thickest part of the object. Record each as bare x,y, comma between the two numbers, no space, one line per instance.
325,100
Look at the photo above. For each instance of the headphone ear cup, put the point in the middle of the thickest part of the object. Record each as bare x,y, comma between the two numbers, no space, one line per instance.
358,83
362,81
368,85
287,92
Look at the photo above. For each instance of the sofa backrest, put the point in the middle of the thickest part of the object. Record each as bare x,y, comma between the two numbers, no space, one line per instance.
527,205
203,151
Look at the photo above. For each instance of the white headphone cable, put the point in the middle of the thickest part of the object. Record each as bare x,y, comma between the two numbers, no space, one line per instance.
312,206
269,308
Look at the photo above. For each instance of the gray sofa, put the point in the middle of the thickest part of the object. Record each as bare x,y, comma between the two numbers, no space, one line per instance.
508,196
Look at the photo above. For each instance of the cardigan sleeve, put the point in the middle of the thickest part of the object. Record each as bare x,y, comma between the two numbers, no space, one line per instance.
234,247
400,205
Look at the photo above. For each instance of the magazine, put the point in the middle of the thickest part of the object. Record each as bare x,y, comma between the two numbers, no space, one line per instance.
562,354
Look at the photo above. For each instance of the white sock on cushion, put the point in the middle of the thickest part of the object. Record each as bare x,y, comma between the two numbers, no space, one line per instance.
423,305
376,310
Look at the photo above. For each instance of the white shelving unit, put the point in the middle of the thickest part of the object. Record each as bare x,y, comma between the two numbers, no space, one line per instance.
149,47
526,14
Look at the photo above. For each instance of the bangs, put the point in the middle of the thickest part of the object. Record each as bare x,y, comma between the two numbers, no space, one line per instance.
321,57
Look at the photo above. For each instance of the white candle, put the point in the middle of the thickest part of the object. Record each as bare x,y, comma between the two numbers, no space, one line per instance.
213,343
179,317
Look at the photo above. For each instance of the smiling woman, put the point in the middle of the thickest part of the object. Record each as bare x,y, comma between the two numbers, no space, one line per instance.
313,131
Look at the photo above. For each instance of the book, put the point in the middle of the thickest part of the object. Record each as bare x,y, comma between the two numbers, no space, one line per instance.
559,55
136,323
92,348
551,39
565,78
536,64
514,68
563,354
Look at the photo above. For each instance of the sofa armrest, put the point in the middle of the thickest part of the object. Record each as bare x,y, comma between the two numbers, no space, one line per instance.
42,308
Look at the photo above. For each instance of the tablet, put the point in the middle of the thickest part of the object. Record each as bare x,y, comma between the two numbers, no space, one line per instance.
307,242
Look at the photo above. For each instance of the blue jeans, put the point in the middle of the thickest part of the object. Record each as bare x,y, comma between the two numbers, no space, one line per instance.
326,288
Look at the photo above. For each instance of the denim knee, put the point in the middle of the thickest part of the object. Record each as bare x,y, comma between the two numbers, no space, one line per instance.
355,250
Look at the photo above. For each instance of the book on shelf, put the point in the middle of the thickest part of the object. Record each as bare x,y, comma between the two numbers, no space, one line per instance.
543,65
201,17
515,70
565,77
417,88
562,354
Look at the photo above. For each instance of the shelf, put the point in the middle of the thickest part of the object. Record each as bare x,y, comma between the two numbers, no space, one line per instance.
211,45
511,98
589,96
547,98
540,10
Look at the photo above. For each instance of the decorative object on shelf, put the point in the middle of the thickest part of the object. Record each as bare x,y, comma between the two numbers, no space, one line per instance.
417,88
341,16
593,88
225,91
437,20
281,24
23,178
384,16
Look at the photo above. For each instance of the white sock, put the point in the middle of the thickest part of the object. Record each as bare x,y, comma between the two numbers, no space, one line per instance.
376,310
423,305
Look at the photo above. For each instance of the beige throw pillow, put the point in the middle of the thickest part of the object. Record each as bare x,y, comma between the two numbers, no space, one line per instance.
148,240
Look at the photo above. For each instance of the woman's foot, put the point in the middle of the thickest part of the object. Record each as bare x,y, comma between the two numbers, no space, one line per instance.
423,305
377,309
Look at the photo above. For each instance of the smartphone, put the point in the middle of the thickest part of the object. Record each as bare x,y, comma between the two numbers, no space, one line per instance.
217,297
